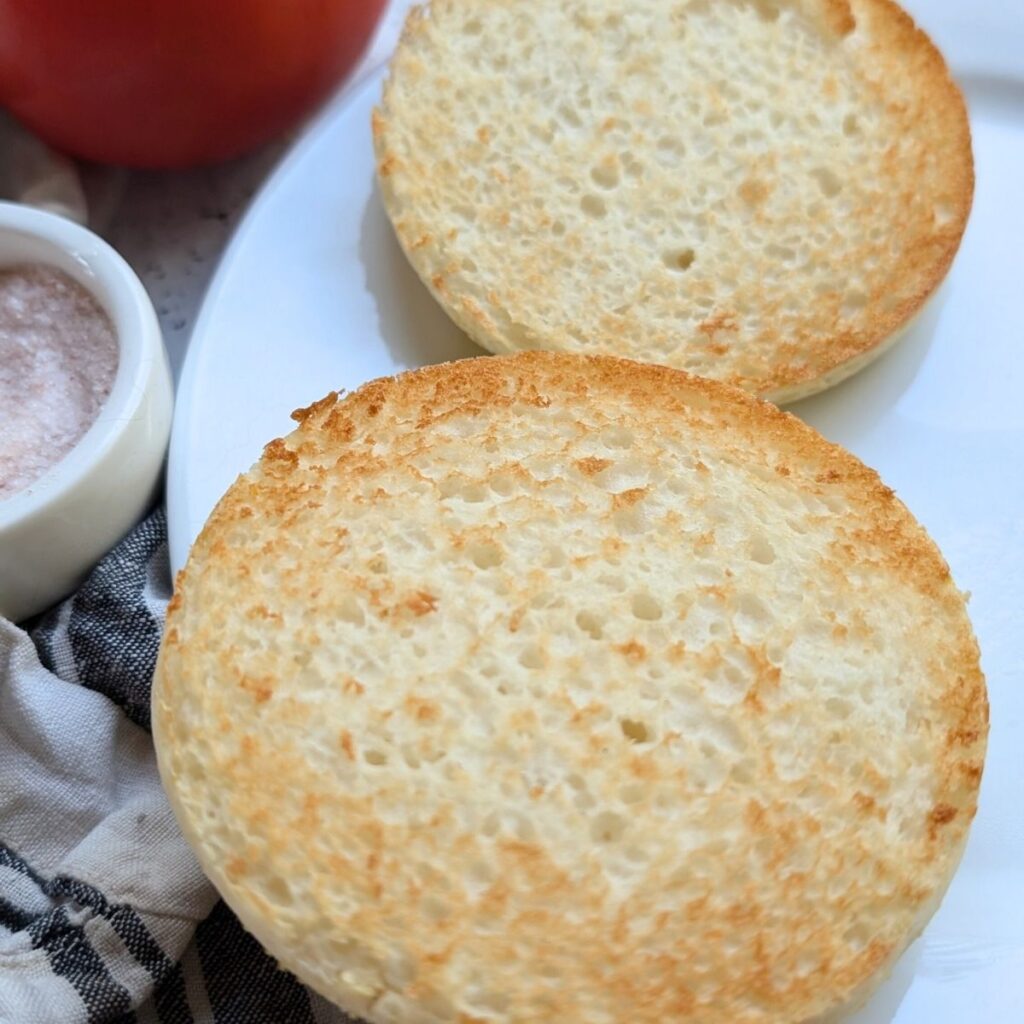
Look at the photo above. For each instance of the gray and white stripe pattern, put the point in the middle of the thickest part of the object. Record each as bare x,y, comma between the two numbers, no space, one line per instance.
105,917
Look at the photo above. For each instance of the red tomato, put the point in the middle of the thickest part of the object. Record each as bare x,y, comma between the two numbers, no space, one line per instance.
168,83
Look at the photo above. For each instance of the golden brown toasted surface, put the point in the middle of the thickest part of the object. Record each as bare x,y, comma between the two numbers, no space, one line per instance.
756,191
547,687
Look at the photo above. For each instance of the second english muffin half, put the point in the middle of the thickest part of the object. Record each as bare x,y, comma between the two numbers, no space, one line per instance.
559,688
761,192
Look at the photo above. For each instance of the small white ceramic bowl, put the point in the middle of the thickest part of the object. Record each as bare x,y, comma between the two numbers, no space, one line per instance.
58,527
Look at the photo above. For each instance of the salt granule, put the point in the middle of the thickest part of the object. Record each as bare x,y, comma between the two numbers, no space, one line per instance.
58,359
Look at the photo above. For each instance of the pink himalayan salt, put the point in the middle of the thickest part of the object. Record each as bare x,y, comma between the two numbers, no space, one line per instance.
58,358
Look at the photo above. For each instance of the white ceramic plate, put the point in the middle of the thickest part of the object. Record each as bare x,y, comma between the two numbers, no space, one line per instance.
314,294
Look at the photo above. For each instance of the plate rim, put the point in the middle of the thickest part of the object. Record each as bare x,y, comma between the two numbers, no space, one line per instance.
177,478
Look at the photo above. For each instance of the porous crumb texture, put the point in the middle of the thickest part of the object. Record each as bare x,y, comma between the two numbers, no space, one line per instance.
756,191
543,687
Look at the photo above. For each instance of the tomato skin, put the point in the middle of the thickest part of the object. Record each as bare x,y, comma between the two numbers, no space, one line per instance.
173,83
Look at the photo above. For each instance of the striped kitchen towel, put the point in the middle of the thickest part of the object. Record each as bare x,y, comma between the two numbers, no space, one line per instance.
104,913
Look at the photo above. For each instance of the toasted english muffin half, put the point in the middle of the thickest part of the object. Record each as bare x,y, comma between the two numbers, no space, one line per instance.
760,191
549,687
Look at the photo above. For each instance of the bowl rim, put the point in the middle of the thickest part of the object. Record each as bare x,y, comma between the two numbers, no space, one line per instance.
99,268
